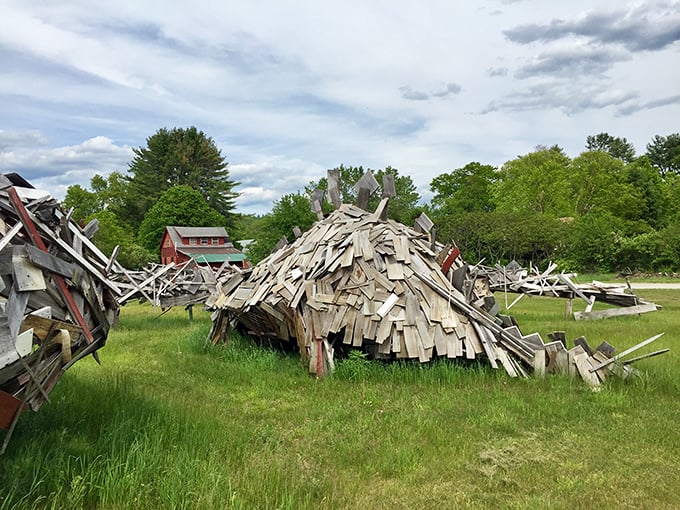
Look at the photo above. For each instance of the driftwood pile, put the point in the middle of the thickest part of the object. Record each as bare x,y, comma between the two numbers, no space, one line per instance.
533,282
56,302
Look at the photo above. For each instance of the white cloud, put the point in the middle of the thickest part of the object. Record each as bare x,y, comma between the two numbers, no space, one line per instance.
289,89
55,168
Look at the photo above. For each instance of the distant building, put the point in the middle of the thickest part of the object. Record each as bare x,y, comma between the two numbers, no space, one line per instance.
206,245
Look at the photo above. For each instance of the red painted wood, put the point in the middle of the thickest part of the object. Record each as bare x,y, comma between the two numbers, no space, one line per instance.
37,240
448,262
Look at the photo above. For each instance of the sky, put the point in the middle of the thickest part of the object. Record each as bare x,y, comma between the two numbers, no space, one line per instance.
288,89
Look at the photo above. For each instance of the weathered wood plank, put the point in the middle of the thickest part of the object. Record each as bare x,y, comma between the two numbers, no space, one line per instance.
616,312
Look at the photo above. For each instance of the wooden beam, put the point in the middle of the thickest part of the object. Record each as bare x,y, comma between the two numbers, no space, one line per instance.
61,285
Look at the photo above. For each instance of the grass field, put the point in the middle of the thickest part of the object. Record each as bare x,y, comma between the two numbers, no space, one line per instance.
164,423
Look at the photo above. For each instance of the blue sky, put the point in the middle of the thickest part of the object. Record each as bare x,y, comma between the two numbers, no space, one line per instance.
288,89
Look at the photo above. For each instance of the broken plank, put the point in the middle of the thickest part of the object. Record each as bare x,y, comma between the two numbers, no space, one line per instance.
626,352
616,312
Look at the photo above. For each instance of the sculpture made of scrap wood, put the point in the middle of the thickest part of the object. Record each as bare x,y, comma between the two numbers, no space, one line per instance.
533,282
56,302
358,280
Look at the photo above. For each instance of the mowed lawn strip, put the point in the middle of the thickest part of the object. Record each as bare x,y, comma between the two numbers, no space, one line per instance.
165,423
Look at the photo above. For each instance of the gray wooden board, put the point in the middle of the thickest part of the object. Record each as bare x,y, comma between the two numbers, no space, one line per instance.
616,312
48,261
27,276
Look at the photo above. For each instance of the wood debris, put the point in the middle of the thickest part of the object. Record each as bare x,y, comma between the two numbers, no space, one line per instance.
56,302
592,365
516,279
356,280
165,286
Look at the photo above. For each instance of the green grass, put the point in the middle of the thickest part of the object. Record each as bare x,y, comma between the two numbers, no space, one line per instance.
164,423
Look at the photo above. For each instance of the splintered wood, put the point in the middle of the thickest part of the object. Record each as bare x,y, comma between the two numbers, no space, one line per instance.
56,302
516,279
165,286
356,281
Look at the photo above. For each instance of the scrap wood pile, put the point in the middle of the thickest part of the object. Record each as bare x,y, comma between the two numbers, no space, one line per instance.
516,279
56,302
184,284
594,366
359,280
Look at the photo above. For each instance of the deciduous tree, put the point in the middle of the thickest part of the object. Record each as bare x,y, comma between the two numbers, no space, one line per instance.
465,189
536,182
179,205
290,211
598,183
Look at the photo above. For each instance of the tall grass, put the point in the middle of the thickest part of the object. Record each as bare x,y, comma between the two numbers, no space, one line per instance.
167,423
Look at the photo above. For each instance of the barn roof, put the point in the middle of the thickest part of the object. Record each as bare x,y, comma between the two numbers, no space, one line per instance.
178,233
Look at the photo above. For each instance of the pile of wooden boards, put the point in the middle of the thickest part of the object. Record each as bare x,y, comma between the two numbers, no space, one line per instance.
56,302
516,279
357,280
165,286
592,365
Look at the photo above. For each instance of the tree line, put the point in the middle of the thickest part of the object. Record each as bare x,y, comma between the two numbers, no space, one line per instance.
607,209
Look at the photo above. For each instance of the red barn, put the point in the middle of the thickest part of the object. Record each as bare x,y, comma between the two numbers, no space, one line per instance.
206,245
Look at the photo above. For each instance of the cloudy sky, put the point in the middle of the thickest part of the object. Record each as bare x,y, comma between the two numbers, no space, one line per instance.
288,89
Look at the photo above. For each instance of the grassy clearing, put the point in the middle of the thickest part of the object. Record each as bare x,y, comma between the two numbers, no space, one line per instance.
164,423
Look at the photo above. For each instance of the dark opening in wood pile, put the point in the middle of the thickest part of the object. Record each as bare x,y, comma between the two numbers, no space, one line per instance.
56,302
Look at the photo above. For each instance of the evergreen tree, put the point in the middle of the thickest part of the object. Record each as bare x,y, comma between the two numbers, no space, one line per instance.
178,157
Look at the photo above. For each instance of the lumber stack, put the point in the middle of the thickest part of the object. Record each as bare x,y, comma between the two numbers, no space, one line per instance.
358,280
56,302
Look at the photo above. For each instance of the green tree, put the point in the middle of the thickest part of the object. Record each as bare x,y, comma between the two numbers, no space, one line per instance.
598,183
503,236
175,157
654,204
84,202
616,147
290,211
108,193
113,232
664,153
536,182
465,189
179,205
671,192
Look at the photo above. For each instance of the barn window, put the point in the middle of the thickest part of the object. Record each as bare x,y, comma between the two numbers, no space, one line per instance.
192,241
204,240
215,240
